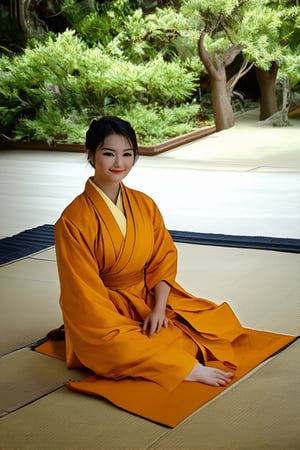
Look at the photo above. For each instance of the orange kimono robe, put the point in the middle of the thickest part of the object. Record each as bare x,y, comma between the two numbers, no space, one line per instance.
107,286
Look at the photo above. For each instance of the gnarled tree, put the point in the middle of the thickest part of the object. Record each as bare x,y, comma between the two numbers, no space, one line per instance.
261,30
220,90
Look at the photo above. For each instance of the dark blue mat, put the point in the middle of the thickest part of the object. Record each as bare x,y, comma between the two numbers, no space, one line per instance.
26,243
32,241
288,245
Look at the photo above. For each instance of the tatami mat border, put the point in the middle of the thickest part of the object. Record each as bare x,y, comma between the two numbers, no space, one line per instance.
37,239
288,245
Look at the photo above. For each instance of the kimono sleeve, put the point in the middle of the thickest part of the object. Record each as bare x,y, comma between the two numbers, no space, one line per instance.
163,263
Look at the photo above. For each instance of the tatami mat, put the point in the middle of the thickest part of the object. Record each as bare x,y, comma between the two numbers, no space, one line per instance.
29,294
243,181
259,413
66,420
263,287
26,376
45,255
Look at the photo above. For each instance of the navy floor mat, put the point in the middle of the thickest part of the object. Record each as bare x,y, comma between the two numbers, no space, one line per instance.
36,239
26,243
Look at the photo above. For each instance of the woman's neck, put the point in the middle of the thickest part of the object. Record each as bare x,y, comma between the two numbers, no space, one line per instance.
110,189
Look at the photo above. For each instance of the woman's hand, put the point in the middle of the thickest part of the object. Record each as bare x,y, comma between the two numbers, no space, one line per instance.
154,321
157,318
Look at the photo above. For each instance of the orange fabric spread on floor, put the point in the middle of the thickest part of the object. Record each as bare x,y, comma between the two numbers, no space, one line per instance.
106,291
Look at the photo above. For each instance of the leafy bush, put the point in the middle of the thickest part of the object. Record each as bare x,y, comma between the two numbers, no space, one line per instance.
157,124
96,23
55,88
115,60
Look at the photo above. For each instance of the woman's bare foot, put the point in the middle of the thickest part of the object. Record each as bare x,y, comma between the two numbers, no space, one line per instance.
209,375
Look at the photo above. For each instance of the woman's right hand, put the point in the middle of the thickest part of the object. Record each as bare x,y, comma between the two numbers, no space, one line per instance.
154,322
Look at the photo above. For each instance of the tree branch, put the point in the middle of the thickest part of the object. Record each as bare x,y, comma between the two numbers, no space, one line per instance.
230,54
205,57
245,67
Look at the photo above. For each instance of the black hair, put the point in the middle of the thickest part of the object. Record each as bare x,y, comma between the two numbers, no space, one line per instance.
105,126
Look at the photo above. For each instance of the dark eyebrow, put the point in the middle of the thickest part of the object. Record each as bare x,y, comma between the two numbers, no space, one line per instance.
113,150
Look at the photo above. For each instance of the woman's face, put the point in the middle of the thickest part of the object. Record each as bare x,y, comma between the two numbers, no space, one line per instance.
113,159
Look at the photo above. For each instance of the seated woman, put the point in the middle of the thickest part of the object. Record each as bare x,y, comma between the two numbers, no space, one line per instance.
124,313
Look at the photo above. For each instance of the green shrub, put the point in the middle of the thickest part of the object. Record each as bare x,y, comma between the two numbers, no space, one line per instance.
52,127
55,88
154,124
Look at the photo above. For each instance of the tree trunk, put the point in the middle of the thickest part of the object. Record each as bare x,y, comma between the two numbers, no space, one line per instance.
282,119
223,113
215,65
286,89
267,83
26,13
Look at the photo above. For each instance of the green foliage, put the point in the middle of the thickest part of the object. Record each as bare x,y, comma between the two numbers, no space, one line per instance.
55,88
267,30
289,62
290,67
75,11
165,32
260,36
117,59
96,24
154,124
51,127
219,7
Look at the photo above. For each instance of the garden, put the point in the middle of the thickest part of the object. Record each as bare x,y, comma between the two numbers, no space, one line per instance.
170,68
